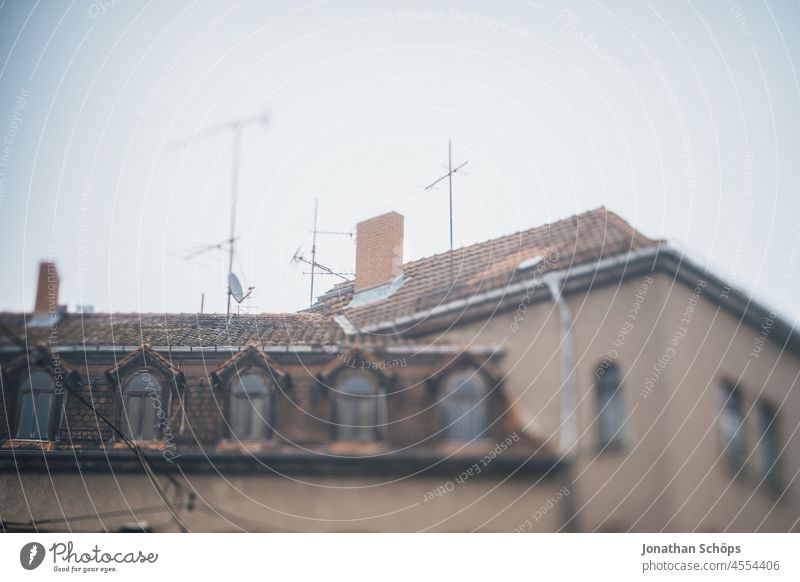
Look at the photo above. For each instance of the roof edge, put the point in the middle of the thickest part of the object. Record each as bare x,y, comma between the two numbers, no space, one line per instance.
661,256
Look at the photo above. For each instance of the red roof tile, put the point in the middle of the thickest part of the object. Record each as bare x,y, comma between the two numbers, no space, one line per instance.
476,268
492,264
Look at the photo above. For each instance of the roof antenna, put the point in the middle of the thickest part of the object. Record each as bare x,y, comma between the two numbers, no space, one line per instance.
449,175
313,253
235,127
315,266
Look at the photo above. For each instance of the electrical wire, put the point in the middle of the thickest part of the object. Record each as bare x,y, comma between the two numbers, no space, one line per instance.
171,508
131,445
35,523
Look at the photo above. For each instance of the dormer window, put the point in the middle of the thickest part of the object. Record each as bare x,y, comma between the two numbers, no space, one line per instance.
357,408
250,407
251,386
464,400
146,382
357,386
142,406
38,410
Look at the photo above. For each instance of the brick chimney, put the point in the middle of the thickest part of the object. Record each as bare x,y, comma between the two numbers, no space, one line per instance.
47,289
379,250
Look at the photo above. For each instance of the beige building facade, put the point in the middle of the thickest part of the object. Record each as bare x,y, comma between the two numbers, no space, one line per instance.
620,388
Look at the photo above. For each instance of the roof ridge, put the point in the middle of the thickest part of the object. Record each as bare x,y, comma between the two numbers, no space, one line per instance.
618,220
551,224
170,314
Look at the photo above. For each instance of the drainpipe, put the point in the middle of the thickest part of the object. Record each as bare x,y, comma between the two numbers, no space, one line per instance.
569,398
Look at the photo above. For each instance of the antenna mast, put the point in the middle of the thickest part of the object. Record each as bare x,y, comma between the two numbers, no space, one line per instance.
313,254
449,175
316,267
237,145
235,127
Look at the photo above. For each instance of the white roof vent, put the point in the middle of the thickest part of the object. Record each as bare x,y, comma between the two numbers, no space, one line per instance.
377,293
530,263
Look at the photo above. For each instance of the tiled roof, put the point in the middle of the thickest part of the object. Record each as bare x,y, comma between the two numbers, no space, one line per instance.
480,267
175,329
492,264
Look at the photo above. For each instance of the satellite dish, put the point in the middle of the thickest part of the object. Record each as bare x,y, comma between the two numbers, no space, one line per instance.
235,288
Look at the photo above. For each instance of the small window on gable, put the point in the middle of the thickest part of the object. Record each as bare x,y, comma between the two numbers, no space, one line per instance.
465,403
37,410
250,416
731,420
610,405
142,402
357,409
769,444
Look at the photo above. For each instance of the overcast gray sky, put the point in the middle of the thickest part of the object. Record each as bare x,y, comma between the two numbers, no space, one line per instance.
682,117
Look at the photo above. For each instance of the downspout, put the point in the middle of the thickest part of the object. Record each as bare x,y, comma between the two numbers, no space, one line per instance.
569,413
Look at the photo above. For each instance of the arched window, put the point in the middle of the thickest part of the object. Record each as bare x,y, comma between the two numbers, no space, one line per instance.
465,403
37,407
610,405
250,412
357,409
142,403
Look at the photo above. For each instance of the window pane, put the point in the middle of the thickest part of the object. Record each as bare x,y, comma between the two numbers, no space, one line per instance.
252,383
357,409
466,408
140,408
36,399
44,402
143,382
250,412
730,424
610,404
240,419
38,381
356,417
770,446
360,385
258,418
366,417
140,421
250,417
148,429
345,417
133,415
25,422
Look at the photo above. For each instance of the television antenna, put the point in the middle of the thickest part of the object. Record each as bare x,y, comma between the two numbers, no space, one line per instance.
451,171
315,266
207,249
299,258
235,128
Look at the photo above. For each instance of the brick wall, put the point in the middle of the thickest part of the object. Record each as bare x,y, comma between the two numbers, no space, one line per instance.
47,289
379,250
80,426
